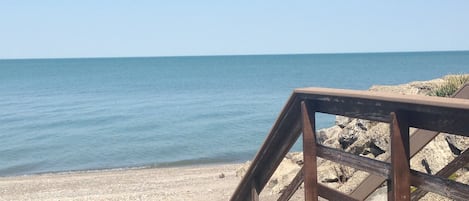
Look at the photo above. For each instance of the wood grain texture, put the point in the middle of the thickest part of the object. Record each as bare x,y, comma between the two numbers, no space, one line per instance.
431,113
418,140
400,165
309,153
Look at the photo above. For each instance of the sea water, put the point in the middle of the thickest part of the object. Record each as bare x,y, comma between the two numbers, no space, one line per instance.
98,113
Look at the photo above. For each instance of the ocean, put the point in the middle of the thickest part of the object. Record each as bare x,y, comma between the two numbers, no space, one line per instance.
61,115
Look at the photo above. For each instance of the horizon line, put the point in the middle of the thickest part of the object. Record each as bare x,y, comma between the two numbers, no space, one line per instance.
234,55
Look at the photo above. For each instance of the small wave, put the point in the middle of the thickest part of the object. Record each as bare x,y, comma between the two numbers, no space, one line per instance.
21,169
222,158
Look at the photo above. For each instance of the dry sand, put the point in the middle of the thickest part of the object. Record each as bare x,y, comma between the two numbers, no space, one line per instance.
179,183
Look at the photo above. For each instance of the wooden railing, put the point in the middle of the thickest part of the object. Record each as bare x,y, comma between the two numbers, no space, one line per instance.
400,111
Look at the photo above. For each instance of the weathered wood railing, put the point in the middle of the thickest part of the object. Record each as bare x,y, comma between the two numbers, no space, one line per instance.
401,112
418,140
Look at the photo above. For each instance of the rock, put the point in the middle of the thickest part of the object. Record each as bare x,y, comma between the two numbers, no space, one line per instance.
285,172
425,164
375,150
436,155
329,136
412,88
379,195
342,121
221,176
456,142
347,137
456,151
242,170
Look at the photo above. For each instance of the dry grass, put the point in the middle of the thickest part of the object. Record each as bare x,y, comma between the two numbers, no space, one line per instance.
451,85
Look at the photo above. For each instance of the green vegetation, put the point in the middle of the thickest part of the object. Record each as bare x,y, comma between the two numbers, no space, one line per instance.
453,176
451,85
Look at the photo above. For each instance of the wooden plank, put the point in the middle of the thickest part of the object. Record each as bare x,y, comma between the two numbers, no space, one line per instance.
432,113
369,165
418,140
293,186
332,194
420,180
430,117
432,101
309,153
447,171
447,122
462,93
445,187
400,166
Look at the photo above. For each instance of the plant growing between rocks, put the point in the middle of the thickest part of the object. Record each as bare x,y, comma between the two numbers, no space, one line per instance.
452,84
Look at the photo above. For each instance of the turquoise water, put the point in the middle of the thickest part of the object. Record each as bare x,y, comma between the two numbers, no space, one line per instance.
81,114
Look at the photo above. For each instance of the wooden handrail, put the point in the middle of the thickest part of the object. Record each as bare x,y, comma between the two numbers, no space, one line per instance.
281,138
382,169
431,113
418,140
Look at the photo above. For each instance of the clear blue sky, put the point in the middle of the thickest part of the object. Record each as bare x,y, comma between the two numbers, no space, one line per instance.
105,28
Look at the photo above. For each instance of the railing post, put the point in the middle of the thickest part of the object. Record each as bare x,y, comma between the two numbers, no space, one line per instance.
309,153
399,186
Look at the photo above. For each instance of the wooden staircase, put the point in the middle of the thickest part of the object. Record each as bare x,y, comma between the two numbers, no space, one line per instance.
431,115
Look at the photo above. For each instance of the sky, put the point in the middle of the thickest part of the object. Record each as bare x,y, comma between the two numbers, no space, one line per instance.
105,28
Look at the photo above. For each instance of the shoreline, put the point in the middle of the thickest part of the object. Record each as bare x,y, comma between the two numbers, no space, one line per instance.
177,164
194,182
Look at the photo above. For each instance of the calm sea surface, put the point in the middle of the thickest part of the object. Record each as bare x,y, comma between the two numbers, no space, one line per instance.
82,114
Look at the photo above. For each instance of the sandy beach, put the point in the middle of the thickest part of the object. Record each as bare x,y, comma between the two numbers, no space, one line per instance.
177,183
197,183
